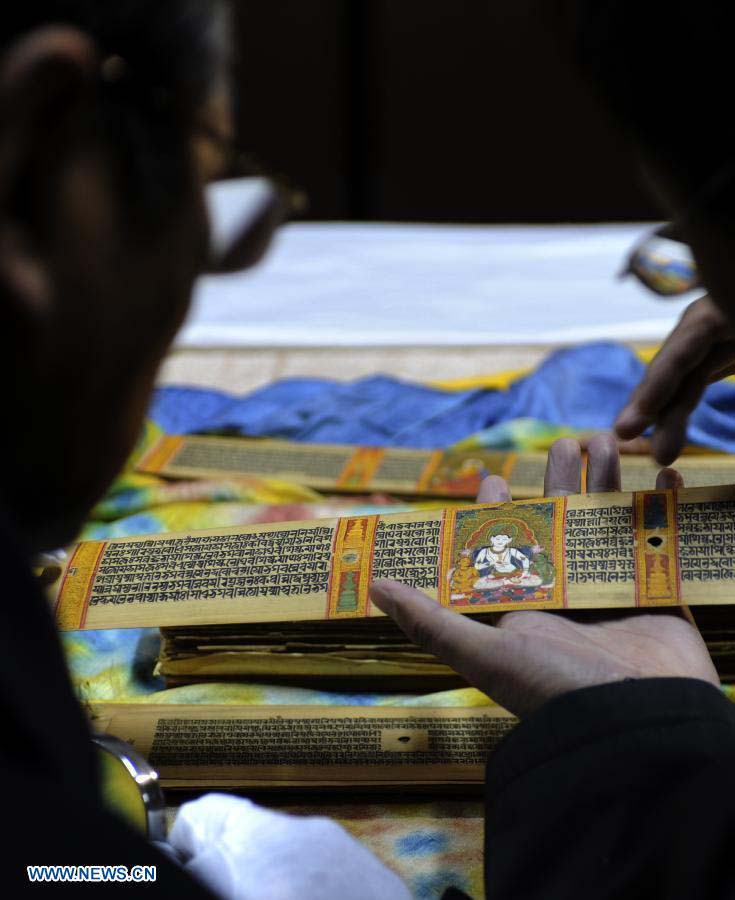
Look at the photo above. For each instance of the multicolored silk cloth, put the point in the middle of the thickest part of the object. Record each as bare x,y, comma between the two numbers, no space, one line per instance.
432,845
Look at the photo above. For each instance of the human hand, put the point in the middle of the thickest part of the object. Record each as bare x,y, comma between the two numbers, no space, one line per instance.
700,350
529,656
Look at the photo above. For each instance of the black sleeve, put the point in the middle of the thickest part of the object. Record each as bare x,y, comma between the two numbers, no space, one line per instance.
48,827
50,803
625,790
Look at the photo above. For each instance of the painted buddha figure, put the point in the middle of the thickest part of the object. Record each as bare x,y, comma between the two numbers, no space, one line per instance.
464,576
501,559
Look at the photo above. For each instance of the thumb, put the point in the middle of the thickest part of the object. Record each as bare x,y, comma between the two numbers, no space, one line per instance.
476,651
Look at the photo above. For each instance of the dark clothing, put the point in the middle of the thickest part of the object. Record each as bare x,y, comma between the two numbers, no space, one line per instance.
626,790
51,809
622,791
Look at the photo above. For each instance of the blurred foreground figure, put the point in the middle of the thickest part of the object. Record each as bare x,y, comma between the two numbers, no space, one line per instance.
619,782
113,116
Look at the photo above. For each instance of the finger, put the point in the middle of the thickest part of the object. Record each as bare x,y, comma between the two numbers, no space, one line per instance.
669,480
670,434
669,438
726,371
639,445
720,362
470,648
688,345
563,469
493,490
603,464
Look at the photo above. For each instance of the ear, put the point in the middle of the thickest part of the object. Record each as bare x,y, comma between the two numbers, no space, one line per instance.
47,78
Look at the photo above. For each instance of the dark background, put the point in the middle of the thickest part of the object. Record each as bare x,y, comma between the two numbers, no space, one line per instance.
428,110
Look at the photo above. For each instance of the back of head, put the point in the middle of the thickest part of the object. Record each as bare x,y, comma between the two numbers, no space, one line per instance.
156,60
102,233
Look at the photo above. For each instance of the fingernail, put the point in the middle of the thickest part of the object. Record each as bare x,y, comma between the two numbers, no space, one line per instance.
493,490
630,423
662,450
379,592
669,479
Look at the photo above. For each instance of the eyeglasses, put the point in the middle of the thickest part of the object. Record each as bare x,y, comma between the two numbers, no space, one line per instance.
243,214
662,261
244,207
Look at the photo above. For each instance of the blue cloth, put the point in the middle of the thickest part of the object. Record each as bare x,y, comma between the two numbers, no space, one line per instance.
582,387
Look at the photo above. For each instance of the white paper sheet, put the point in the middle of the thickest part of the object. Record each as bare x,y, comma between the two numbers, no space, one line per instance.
344,284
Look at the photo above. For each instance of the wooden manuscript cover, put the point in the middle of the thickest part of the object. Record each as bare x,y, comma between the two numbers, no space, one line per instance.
651,548
439,473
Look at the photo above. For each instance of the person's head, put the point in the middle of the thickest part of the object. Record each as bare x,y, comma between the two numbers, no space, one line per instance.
107,110
502,536
664,69
500,542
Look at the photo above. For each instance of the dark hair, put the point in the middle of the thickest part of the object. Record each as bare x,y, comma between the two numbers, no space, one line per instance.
157,62
662,66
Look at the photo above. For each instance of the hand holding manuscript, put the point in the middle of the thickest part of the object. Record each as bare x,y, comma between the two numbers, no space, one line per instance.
293,598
